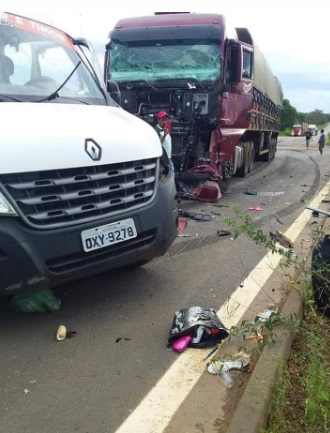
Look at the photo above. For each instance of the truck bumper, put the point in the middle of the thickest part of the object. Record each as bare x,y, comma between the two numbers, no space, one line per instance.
37,259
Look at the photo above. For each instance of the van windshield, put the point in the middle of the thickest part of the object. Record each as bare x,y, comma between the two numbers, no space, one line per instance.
35,61
153,60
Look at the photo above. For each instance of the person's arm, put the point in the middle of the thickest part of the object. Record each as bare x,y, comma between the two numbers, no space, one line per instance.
162,138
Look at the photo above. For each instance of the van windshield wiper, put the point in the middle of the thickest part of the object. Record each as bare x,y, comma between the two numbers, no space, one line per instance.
54,94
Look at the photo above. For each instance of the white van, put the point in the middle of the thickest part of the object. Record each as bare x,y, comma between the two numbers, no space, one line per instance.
84,185
313,129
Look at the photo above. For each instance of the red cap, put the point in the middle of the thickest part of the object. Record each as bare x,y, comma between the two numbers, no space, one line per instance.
162,114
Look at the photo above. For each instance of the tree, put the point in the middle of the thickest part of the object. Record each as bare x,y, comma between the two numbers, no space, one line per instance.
289,115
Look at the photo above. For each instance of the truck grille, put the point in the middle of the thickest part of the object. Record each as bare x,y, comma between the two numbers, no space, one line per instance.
63,197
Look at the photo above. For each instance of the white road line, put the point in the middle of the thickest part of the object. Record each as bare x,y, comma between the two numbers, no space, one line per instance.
155,411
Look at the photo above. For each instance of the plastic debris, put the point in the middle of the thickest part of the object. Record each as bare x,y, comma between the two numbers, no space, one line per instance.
218,366
182,343
226,378
222,367
26,391
37,302
256,208
265,315
182,224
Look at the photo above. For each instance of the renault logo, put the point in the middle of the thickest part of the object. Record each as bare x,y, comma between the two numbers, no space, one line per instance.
93,149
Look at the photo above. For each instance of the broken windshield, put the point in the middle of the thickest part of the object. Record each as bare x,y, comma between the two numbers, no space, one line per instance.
153,60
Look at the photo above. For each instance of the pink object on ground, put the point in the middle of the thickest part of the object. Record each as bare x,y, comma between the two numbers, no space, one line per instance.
182,343
182,224
255,208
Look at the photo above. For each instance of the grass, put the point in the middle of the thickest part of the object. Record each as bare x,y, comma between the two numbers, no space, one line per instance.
301,402
301,398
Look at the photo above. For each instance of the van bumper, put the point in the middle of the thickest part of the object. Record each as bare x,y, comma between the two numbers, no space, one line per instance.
33,259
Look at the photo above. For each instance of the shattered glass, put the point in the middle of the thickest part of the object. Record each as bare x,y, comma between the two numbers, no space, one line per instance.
154,60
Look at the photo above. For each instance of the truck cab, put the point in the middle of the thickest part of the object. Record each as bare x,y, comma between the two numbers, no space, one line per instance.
313,129
79,192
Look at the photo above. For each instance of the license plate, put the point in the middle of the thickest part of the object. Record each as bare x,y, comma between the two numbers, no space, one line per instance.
110,234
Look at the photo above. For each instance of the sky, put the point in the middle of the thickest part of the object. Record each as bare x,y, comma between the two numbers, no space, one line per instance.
293,35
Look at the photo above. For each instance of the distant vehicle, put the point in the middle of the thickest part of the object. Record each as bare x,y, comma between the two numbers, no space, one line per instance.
299,129
313,129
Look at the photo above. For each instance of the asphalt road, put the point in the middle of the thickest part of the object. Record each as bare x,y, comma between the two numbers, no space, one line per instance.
93,381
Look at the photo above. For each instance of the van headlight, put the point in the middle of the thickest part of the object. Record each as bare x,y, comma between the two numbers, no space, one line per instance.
6,208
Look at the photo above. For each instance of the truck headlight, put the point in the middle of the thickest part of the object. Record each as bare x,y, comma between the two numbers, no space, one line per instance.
6,208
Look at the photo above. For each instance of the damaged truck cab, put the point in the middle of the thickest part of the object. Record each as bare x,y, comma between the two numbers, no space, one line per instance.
79,192
222,98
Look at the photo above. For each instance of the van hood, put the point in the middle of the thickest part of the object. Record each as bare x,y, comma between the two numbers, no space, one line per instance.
46,136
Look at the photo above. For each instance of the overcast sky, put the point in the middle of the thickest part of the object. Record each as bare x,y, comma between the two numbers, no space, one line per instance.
292,34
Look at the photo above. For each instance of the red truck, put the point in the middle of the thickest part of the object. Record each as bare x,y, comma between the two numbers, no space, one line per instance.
221,95
299,129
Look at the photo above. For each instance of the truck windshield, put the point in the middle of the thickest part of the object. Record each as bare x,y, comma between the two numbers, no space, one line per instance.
36,59
155,60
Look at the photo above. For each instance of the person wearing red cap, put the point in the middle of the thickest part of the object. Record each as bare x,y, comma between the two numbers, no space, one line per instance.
164,135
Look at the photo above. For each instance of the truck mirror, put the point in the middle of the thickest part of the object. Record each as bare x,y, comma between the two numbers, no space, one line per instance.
114,92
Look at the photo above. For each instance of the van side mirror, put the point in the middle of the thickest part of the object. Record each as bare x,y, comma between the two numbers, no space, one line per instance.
114,92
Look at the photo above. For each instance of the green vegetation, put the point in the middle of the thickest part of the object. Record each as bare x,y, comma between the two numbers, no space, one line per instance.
290,116
328,139
301,398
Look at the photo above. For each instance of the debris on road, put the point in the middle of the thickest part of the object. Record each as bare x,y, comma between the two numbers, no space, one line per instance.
221,205
42,301
182,224
317,211
264,193
122,338
62,333
195,216
222,367
202,325
223,232
256,208
283,240
265,315
182,343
